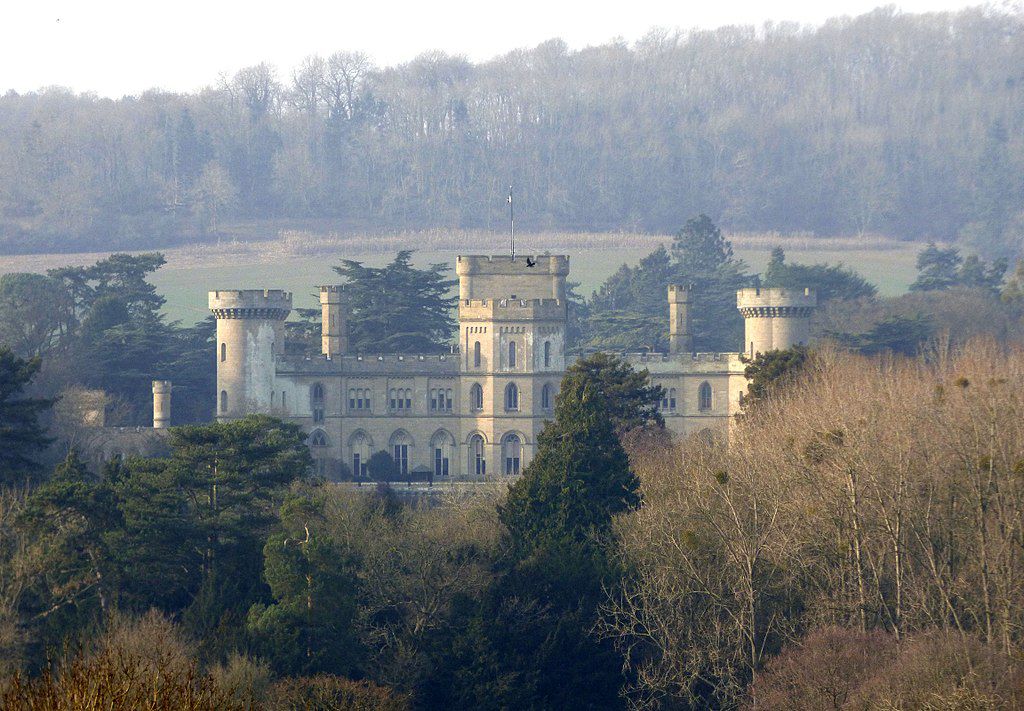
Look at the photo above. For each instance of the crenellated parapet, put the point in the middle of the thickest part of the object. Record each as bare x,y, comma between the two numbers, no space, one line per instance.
512,310
262,304
776,302
525,277
775,318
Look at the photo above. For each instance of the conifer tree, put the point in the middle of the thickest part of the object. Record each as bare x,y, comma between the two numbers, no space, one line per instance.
22,437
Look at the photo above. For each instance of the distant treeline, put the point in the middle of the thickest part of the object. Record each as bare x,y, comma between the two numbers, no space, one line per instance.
910,125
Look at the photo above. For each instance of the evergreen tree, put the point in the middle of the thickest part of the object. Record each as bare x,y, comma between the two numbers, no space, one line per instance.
308,629
529,645
398,308
630,397
22,437
937,268
766,372
828,281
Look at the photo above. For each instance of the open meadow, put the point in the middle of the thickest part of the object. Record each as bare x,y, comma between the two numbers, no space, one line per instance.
298,261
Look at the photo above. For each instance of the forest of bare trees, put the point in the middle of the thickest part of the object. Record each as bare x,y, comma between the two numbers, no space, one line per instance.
873,494
909,125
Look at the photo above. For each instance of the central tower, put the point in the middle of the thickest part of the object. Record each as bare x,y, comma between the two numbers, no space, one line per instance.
512,319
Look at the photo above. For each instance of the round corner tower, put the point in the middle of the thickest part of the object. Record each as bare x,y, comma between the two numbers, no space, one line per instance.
250,332
775,319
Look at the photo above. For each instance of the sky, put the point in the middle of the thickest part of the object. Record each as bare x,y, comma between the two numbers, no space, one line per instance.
114,48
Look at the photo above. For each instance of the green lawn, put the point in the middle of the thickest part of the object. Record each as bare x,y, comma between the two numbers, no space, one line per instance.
185,280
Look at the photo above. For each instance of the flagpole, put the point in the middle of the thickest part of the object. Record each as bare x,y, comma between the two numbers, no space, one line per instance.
511,225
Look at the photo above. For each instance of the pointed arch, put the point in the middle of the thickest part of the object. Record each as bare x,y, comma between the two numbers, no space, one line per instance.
705,397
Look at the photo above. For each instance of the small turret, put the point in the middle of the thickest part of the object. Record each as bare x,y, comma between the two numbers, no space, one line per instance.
334,336
250,331
775,319
679,338
161,404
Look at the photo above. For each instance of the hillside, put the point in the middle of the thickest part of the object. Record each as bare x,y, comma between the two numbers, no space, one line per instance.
910,126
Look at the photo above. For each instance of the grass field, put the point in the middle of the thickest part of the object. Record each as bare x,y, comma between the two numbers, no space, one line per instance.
299,261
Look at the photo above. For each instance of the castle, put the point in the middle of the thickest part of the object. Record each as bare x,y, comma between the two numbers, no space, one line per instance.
474,412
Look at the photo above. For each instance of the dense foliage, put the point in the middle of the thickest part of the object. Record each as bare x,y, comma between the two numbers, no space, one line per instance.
901,124
398,308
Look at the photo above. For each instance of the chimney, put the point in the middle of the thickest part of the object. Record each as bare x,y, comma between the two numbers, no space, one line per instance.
333,339
679,338
161,404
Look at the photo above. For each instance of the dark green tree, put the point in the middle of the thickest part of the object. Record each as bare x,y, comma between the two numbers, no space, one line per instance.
529,644
703,260
828,281
398,308
937,268
630,397
767,372
381,466
31,310
308,629
22,436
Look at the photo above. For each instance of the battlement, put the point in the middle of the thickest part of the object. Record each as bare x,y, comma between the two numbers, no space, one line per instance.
502,264
511,310
776,302
678,294
331,293
268,304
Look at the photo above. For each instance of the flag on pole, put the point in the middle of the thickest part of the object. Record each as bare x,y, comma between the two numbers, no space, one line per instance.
511,226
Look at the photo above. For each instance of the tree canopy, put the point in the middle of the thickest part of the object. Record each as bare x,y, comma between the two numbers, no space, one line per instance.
398,308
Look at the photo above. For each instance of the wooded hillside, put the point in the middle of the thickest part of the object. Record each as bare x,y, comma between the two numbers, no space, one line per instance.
909,125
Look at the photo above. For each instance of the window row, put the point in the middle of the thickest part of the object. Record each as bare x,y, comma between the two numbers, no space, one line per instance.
442,446
476,397
705,398
512,361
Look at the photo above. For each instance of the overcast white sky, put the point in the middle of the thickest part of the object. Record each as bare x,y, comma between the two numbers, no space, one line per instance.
115,47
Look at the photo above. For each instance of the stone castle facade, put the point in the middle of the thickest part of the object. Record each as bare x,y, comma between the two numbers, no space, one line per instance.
474,412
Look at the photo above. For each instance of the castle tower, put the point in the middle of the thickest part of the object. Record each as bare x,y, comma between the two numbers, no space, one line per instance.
334,336
679,338
512,323
250,332
161,404
775,319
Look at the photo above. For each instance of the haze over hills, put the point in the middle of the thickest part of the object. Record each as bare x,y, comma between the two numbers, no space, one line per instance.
905,125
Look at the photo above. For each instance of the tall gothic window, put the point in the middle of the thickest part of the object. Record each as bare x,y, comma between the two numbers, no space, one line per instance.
545,397
223,400
476,354
477,461
512,397
316,402
401,443
511,354
317,447
476,397
704,396
223,352
547,354
511,454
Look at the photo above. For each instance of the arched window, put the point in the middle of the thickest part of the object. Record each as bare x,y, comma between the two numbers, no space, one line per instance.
547,354
511,397
408,399
704,396
392,400
476,354
448,399
476,397
545,397
223,400
511,354
284,399
441,446
361,445
316,402
511,453
672,399
317,445
477,461
318,439
223,352
401,443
